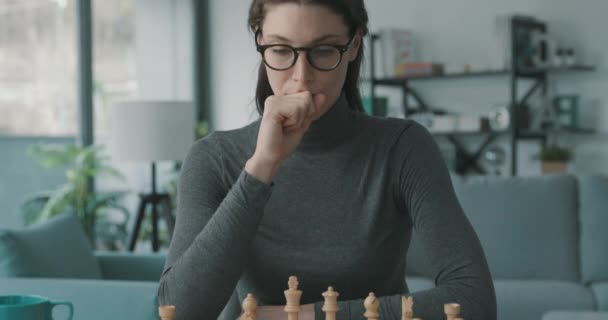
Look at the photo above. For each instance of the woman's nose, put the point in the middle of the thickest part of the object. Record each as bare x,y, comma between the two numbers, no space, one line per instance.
302,70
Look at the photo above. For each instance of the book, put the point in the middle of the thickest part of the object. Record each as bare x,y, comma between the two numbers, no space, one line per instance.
418,69
397,46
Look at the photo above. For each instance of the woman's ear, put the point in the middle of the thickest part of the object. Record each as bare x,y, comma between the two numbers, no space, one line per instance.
354,49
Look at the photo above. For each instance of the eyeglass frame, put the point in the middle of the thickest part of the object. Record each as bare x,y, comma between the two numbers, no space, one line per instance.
341,48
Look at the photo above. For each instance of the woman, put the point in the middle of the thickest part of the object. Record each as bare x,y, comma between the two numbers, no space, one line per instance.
318,189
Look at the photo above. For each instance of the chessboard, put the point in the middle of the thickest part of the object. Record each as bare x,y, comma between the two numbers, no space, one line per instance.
330,306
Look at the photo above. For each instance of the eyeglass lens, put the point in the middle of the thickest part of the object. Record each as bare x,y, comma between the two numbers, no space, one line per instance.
283,57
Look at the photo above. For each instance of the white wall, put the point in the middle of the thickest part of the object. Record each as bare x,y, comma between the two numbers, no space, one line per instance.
452,32
234,64
164,49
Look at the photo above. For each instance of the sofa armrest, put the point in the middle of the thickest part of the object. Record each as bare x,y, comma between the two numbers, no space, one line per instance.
579,315
130,266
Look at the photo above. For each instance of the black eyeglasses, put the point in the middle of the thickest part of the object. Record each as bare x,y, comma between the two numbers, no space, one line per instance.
323,57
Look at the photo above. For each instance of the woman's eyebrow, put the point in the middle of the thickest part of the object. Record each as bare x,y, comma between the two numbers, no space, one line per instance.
317,40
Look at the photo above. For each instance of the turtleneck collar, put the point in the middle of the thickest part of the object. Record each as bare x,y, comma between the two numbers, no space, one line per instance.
334,127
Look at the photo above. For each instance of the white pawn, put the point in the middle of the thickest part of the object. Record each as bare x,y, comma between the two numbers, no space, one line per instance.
407,308
250,306
371,305
330,307
292,296
452,311
166,312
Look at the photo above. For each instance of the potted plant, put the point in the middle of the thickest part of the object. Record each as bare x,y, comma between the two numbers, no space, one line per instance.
555,159
103,218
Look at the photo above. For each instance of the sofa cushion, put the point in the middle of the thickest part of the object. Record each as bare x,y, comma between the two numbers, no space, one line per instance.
578,315
57,248
527,226
600,290
594,221
130,266
92,299
530,299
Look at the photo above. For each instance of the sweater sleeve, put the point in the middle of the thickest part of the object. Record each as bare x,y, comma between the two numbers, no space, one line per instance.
453,250
457,260
215,224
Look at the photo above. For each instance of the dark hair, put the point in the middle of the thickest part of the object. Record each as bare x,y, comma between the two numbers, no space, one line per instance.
355,16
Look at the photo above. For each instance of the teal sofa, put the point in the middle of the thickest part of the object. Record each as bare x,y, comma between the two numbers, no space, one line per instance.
546,242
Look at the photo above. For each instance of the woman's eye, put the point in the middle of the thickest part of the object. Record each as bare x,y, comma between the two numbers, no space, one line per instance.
281,51
324,52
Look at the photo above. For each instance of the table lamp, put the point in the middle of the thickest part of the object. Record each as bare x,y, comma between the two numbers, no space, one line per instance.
151,131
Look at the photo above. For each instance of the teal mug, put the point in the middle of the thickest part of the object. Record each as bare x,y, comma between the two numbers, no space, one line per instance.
29,307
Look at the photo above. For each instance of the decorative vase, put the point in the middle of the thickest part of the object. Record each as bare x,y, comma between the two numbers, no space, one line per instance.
551,167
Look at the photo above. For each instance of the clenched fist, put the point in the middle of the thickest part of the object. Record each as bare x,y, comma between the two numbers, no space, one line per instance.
284,122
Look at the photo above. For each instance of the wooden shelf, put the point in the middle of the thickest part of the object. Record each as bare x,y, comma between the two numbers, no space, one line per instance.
400,80
524,134
536,73
527,134
528,73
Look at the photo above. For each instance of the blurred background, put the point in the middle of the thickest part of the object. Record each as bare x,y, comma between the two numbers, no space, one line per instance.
500,99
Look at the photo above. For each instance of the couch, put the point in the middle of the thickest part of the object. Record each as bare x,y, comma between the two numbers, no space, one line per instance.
545,240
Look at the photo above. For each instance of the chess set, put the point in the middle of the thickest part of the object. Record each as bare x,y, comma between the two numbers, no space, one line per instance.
330,306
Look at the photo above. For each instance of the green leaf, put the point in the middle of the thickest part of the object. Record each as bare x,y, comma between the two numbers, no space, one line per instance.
555,153
111,172
57,202
51,155
32,206
74,196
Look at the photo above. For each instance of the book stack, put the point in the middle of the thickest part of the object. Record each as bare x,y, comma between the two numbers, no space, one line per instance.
397,47
418,69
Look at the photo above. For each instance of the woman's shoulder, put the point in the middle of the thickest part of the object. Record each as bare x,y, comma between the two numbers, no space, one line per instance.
218,142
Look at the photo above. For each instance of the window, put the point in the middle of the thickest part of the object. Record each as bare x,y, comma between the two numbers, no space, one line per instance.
114,65
39,64
38,67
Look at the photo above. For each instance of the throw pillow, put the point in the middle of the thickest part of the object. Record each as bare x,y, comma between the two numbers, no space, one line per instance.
58,248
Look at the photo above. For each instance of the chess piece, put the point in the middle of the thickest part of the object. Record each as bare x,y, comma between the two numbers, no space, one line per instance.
452,311
249,308
371,305
407,305
166,312
293,295
330,307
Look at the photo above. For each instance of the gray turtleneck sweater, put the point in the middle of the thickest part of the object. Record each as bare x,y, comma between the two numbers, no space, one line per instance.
340,211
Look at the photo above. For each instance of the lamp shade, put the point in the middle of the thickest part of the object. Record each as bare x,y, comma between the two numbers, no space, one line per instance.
151,130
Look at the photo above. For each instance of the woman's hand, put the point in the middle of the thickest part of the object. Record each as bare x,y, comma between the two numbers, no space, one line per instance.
277,312
284,122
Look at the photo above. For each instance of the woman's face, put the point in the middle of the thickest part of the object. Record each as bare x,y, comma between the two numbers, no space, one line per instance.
306,26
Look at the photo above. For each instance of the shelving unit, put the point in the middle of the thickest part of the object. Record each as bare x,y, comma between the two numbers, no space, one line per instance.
517,73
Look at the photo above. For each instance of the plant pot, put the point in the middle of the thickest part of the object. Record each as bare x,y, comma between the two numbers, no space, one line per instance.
550,167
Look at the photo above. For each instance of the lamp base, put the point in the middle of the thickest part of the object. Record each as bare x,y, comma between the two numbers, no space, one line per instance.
154,200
